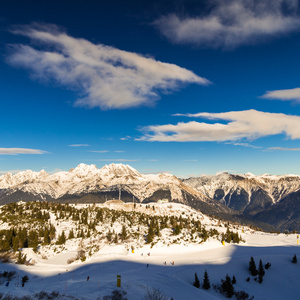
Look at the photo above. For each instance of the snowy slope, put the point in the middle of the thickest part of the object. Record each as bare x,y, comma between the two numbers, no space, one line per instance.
55,274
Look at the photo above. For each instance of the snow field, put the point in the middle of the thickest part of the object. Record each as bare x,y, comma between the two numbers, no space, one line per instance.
55,274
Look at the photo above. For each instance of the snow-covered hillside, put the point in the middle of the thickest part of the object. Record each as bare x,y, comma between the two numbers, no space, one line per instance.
169,267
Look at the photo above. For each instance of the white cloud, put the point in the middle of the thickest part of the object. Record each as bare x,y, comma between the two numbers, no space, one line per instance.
119,151
16,151
190,160
233,23
237,125
106,77
284,149
79,145
99,151
244,145
125,138
284,95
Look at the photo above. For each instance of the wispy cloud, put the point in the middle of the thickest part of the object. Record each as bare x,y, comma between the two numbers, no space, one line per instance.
284,149
99,151
191,160
17,151
284,95
125,138
79,145
244,145
106,77
119,151
231,23
248,124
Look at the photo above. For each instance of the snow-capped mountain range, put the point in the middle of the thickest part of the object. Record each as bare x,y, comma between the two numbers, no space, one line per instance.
86,179
240,191
246,195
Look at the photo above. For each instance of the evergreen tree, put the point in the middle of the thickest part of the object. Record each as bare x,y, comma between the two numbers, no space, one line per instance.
206,283
252,267
15,243
24,280
294,260
150,235
227,287
71,234
196,282
177,229
233,280
260,272
116,238
109,235
33,240
123,233
46,236
267,265
52,232
204,234
21,258
61,239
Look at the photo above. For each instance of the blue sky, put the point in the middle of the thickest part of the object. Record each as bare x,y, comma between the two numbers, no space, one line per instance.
186,87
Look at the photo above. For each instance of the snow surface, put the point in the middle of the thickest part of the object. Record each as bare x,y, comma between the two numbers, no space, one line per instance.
55,274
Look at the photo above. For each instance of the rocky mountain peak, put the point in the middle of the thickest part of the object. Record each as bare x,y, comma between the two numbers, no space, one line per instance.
119,170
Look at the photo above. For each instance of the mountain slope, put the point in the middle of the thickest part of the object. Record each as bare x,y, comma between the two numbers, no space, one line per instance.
246,193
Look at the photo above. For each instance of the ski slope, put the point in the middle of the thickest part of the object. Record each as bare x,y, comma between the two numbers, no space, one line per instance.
175,281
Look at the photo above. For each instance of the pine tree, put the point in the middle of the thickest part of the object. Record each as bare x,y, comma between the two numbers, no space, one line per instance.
227,287
294,261
24,280
116,238
150,235
233,280
123,233
267,265
196,282
21,258
109,235
206,283
252,267
71,234
61,239
260,272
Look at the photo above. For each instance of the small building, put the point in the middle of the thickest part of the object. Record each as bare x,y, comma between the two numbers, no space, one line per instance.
163,201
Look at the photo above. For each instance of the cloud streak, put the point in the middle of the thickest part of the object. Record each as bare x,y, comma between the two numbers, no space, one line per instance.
284,95
79,145
105,77
233,23
284,149
17,151
235,125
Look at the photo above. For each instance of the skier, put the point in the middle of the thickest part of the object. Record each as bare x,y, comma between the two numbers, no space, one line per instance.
88,278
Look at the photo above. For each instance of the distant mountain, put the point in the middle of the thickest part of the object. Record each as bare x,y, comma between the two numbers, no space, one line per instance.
86,183
238,198
262,197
